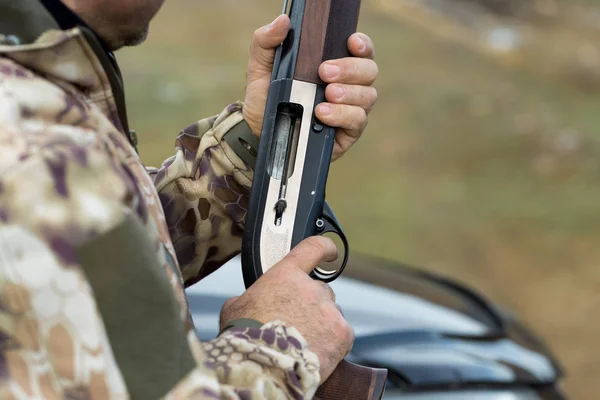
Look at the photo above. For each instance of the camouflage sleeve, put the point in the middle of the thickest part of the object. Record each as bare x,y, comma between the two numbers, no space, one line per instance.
58,192
272,362
89,305
82,317
204,191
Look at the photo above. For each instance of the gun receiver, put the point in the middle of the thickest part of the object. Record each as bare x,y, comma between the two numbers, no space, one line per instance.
287,201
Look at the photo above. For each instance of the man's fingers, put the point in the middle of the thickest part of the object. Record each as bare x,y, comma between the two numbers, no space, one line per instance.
350,70
329,291
310,253
354,95
265,41
344,330
270,36
225,311
343,116
344,139
361,45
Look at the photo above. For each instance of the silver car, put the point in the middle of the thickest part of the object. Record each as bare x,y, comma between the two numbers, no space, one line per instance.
438,339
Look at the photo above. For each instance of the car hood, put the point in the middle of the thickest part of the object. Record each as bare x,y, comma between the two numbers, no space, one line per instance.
427,331
370,309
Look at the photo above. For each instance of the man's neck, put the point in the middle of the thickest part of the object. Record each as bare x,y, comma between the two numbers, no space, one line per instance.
67,19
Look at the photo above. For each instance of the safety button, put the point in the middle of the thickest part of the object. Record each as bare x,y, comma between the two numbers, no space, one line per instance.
317,127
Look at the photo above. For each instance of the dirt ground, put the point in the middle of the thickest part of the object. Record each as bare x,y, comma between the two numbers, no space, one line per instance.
481,159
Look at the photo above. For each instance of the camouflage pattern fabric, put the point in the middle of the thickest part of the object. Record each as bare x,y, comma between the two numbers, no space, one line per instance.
204,190
69,180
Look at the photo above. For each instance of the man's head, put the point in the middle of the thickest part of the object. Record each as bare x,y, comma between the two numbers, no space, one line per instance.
119,22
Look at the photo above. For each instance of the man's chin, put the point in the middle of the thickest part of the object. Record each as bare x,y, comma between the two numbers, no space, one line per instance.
129,39
134,40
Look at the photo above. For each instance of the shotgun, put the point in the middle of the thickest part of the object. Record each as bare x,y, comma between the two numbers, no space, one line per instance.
287,200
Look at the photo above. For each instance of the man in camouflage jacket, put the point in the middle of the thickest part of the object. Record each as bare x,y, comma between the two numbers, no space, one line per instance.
96,249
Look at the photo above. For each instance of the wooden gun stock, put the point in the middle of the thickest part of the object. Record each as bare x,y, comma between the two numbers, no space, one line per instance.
353,382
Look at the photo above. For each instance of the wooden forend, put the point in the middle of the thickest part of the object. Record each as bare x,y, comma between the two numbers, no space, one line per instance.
326,27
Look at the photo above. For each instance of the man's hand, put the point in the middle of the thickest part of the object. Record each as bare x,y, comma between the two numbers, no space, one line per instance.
349,93
286,293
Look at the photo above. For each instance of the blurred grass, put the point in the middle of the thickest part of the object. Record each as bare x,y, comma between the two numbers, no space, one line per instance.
481,165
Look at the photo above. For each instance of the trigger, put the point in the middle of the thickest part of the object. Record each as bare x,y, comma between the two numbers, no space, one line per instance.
328,223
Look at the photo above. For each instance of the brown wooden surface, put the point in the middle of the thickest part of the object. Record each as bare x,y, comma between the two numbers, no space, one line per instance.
312,40
343,21
353,382
326,27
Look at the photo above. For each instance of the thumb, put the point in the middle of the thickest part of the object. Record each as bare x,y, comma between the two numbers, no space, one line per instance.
264,43
309,253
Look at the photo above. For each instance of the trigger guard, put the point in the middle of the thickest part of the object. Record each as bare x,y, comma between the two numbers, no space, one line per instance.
331,226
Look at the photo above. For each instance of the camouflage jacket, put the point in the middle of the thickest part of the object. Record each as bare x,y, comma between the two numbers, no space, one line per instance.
95,249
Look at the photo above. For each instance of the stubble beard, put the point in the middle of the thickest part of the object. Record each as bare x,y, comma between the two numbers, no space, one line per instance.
132,40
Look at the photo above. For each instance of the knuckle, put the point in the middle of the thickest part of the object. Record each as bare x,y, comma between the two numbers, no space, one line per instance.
361,117
228,308
374,70
322,285
345,331
375,67
340,113
349,336
374,93
229,303
327,290
331,314
341,328
373,96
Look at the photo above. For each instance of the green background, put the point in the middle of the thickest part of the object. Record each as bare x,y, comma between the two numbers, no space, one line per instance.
478,164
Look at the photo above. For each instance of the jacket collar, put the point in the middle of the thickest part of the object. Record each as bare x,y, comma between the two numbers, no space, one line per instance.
23,21
67,19
25,25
